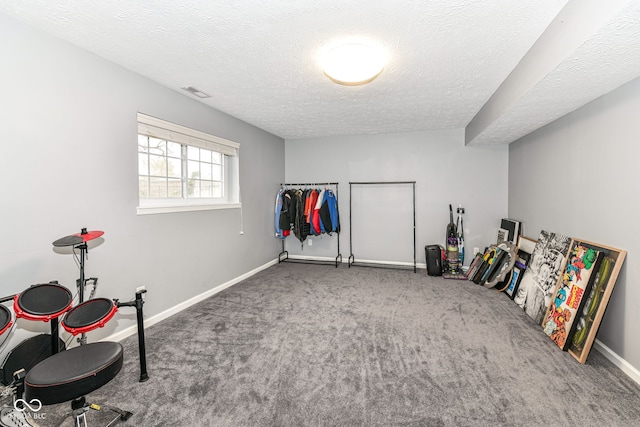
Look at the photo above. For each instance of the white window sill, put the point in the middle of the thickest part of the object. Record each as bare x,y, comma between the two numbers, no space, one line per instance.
152,210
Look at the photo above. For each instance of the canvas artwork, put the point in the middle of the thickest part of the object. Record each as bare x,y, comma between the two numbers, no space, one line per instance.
571,292
526,244
518,271
525,247
539,279
513,228
515,279
503,234
589,318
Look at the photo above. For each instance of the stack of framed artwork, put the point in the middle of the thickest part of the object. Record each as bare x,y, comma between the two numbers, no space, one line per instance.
565,285
492,268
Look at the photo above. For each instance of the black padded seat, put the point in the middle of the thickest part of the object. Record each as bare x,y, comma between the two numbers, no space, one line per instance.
73,373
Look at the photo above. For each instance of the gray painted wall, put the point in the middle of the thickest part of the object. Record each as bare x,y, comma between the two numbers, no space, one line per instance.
579,176
445,172
69,160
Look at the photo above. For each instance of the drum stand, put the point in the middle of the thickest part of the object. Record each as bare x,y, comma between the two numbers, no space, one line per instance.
80,407
79,241
14,416
137,303
81,283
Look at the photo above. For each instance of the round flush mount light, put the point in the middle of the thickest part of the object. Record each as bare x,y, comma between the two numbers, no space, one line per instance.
353,64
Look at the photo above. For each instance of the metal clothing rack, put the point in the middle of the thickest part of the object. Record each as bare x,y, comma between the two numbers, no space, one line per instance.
352,257
284,255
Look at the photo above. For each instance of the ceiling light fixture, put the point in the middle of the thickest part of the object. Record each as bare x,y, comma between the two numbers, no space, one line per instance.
353,64
197,92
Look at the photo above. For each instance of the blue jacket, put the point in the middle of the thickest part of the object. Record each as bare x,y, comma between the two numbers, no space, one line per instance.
278,209
329,220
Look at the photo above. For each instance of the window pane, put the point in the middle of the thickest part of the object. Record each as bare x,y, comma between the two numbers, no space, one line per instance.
206,190
157,146
143,164
193,153
143,187
205,171
175,188
217,189
216,157
205,155
158,165
193,188
174,149
193,169
158,188
175,168
216,173
143,143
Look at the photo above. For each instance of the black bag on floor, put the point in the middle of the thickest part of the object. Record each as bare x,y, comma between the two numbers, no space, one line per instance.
434,260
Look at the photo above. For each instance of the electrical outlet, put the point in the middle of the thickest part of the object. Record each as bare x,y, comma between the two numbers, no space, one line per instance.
310,242
475,251
141,288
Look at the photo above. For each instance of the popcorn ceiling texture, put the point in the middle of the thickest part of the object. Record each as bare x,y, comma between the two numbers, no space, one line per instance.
259,60
610,58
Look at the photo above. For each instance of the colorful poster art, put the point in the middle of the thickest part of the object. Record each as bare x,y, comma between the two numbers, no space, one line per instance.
588,321
571,293
539,279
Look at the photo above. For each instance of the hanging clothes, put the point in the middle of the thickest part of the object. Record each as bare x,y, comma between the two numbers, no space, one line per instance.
305,224
309,212
277,211
329,213
332,202
285,219
316,227
298,228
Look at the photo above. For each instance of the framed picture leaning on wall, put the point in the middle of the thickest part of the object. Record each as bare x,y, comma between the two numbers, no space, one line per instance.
589,318
572,289
525,247
541,276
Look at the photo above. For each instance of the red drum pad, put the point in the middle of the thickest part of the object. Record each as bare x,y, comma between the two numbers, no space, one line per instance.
5,319
42,302
74,373
89,315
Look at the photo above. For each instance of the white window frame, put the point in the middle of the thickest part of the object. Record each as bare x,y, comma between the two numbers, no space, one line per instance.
230,151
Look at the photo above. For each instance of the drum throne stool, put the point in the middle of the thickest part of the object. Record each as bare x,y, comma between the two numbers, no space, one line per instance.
72,374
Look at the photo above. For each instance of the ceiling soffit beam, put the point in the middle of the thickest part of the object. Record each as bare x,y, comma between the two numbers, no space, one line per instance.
573,25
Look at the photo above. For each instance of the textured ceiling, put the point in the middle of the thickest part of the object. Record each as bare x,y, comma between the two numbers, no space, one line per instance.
259,59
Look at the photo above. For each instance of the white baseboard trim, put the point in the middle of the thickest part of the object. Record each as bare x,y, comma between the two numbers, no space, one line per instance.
618,361
132,330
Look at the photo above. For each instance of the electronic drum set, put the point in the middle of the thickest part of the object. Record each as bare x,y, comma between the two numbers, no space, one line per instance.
41,367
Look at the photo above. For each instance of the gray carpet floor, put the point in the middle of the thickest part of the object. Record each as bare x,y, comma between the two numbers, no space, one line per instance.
314,345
